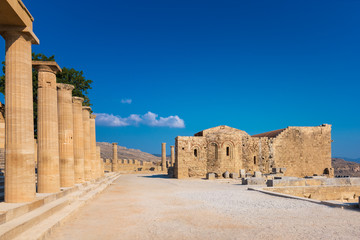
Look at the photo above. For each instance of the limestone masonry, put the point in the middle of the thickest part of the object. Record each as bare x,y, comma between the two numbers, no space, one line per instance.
298,151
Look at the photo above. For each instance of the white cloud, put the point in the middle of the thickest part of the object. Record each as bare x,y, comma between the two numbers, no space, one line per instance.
148,119
126,101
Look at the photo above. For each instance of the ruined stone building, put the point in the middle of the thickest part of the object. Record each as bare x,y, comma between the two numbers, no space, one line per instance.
303,151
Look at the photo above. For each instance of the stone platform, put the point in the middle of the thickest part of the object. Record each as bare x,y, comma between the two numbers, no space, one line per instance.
36,219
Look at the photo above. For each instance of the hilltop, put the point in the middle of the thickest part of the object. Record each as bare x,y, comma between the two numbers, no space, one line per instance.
343,167
126,153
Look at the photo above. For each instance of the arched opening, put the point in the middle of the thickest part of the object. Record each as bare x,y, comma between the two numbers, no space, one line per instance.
195,153
254,160
228,151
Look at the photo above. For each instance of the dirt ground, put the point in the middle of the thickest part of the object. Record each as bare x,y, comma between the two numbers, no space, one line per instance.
156,207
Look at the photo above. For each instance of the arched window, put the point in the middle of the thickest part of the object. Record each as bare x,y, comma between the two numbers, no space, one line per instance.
227,151
195,152
255,160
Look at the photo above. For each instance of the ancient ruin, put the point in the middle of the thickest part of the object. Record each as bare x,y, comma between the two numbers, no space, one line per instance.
47,135
79,152
298,151
66,134
163,157
87,143
16,24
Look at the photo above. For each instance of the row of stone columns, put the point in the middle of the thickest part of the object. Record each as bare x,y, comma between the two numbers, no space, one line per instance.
66,134
66,154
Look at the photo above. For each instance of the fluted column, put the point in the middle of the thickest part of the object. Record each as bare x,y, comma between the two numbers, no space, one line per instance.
87,145
66,134
79,151
93,146
115,158
48,136
19,121
163,156
172,159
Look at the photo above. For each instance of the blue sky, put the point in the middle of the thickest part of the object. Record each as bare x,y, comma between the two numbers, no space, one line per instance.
253,65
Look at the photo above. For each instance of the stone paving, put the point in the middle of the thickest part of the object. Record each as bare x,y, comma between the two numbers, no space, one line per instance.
156,207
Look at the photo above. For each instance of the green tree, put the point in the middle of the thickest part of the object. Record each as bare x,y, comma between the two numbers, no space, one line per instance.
68,76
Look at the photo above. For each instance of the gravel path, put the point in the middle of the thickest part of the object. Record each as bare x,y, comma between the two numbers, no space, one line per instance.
154,207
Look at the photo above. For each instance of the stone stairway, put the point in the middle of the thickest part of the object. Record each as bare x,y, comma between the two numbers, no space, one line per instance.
36,220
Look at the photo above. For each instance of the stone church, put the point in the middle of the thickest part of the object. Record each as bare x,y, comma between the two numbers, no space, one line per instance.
303,151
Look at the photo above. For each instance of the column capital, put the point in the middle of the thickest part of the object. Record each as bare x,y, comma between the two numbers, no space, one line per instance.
46,66
66,87
86,108
114,144
9,31
78,100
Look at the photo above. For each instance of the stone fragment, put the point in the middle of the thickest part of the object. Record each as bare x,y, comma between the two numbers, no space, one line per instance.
257,174
234,175
242,173
211,176
226,174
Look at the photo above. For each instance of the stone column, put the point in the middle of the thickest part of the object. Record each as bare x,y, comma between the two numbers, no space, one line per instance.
163,156
98,162
78,140
66,134
19,121
87,146
115,158
93,146
48,132
172,159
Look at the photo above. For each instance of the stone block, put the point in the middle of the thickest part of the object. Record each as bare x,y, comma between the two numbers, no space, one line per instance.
210,176
282,170
254,181
257,174
276,170
242,173
234,175
226,174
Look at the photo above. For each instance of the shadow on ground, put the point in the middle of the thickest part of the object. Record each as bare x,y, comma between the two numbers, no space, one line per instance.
156,176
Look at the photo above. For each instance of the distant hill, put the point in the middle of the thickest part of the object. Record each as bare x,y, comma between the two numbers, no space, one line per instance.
343,167
357,160
126,153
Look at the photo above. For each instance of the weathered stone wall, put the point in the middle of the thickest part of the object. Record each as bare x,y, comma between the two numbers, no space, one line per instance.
303,151
323,193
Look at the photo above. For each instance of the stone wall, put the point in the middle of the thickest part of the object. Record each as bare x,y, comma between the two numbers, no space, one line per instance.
323,193
303,151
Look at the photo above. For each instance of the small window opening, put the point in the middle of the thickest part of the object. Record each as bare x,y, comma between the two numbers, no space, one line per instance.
254,159
227,151
195,153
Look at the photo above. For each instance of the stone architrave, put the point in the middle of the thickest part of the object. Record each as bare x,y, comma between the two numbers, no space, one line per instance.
47,134
16,28
172,159
163,156
87,145
79,152
66,134
115,158
94,165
